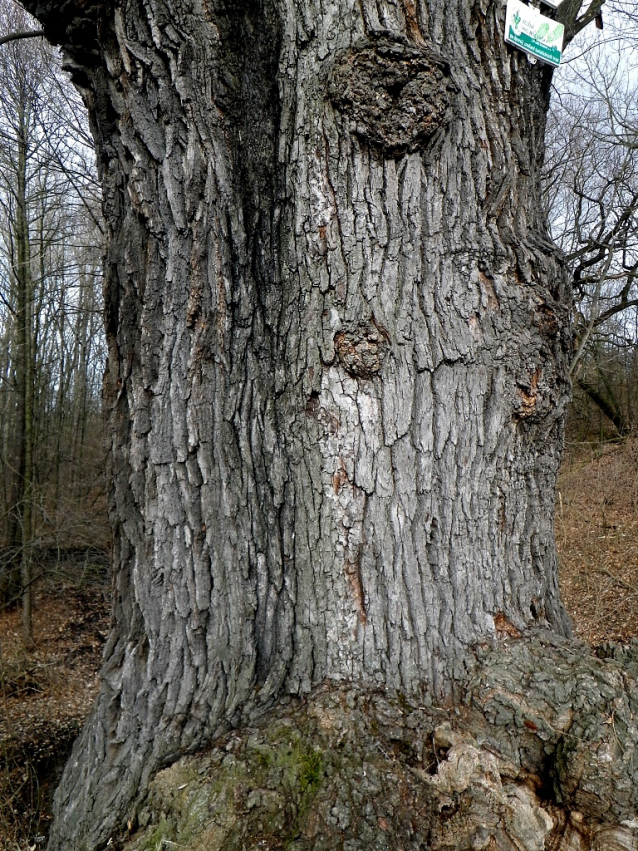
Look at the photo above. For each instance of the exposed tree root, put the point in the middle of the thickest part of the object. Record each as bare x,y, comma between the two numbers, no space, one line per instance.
541,755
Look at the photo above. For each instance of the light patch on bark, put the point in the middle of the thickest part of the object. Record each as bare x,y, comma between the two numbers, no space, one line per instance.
339,403
321,229
489,782
118,26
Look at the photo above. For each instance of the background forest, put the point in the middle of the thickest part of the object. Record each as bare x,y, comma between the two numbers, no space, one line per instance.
51,338
54,535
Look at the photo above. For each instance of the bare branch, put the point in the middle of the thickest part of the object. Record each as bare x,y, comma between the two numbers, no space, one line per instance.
593,12
26,34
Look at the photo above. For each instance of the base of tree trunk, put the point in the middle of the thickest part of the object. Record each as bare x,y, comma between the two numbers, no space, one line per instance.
542,754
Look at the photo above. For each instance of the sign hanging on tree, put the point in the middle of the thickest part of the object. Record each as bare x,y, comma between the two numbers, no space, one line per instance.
532,32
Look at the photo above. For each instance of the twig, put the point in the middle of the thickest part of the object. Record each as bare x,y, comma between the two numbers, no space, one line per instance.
25,34
616,579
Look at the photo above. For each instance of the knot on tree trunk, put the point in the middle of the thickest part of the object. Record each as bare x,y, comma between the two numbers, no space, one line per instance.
528,395
361,349
393,94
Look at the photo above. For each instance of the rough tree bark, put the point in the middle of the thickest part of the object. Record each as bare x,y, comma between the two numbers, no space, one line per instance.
338,353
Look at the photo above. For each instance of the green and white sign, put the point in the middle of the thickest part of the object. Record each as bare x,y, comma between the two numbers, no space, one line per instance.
532,32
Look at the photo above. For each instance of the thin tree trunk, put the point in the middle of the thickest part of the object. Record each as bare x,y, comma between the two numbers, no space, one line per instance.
62,398
25,376
338,354
80,391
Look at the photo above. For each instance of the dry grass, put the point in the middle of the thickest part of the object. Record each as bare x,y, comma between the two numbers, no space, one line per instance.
597,536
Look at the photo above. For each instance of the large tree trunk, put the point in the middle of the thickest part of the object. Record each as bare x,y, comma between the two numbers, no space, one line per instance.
337,359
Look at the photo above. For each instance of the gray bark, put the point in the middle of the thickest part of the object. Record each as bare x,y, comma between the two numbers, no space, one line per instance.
337,360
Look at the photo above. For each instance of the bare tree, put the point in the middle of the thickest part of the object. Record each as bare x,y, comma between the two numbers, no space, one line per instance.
20,108
49,249
591,176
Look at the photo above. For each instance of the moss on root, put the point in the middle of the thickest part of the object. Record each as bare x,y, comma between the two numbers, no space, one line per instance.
323,772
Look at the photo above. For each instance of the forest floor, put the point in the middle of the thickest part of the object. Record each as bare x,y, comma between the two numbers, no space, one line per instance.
45,693
597,538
